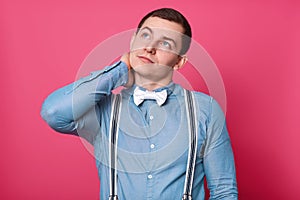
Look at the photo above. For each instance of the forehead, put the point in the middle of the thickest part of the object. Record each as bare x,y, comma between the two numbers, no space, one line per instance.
163,24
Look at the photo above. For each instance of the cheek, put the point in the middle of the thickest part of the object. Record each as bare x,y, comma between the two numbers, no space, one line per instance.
167,58
133,59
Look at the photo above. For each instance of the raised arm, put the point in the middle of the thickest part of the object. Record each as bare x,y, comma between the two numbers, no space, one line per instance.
70,109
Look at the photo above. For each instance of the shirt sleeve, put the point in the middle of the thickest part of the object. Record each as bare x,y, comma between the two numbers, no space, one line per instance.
71,109
218,157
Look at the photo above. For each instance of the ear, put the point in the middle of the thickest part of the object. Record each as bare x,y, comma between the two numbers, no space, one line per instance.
181,61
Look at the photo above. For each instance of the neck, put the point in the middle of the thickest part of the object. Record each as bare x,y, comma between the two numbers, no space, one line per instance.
150,83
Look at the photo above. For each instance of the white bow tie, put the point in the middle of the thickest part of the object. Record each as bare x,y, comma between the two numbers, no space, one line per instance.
139,96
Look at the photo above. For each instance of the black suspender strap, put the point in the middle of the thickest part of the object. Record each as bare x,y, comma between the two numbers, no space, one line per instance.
113,137
113,142
193,140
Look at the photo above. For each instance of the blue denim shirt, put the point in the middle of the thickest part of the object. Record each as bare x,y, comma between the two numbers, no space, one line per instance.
152,141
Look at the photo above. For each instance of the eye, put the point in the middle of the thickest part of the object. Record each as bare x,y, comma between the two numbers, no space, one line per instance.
166,44
145,36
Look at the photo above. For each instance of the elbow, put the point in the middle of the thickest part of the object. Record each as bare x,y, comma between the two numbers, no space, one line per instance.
56,121
49,116
228,192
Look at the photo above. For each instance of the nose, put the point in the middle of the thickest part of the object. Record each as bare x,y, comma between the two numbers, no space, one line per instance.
150,49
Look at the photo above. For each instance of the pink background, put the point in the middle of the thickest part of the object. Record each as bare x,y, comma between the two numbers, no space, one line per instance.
255,45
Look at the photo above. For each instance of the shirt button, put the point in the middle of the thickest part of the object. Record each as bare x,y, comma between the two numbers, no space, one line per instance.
152,146
151,117
150,176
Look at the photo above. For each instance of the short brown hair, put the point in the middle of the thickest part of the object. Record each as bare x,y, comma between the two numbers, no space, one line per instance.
174,16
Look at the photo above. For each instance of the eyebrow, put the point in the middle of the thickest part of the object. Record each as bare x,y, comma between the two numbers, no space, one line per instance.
164,37
146,27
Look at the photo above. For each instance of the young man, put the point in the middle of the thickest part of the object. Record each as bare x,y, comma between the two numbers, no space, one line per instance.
144,145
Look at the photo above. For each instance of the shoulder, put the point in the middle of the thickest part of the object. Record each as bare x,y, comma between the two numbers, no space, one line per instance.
202,100
207,106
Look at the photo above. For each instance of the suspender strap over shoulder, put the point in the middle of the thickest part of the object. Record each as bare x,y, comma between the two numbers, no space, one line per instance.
193,141
113,142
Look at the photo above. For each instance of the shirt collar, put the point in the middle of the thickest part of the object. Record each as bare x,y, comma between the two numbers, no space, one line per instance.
170,88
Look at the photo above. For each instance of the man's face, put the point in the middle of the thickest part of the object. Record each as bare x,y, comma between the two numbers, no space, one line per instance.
155,48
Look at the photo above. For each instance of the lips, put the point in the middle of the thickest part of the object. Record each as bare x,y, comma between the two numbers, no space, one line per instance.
145,59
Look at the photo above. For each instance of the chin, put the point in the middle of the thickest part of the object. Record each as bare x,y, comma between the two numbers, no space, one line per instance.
145,66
